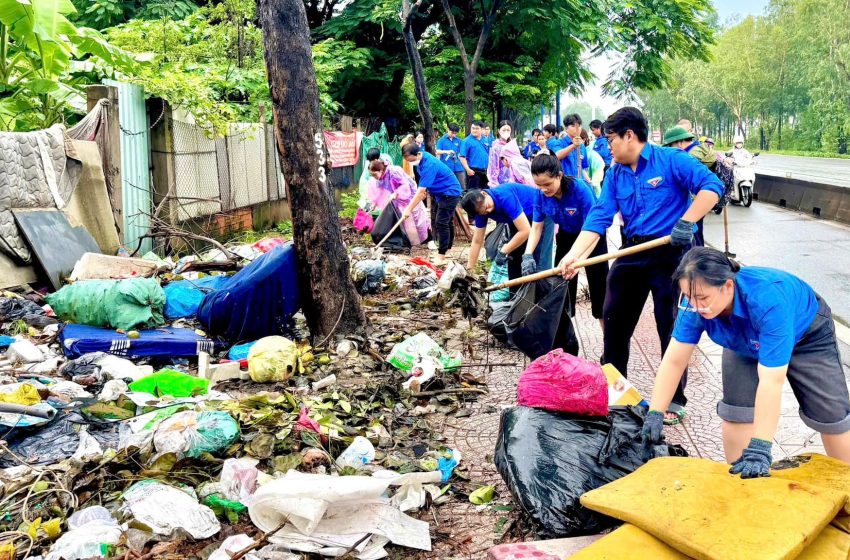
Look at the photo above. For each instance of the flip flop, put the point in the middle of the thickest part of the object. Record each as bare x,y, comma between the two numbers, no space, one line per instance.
679,411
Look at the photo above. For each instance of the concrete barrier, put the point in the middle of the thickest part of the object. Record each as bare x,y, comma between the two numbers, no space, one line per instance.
823,201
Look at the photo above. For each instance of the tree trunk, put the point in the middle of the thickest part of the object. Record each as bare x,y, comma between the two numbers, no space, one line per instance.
779,137
420,87
329,299
558,107
469,99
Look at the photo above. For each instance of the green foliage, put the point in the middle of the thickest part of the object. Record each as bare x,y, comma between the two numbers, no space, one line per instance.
101,14
45,58
781,78
348,204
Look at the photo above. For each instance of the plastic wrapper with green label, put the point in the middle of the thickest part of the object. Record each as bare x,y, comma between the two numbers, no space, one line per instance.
120,304
407,352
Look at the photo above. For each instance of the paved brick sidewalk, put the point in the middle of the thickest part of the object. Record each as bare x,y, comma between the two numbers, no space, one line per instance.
466,532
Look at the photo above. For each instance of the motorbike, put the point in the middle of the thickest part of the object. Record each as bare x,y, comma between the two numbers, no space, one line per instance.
744,176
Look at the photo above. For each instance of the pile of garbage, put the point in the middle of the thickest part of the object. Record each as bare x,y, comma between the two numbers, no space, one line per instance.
153,401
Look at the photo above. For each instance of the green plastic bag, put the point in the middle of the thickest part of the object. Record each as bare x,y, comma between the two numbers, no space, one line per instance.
171,382
120,304
404,354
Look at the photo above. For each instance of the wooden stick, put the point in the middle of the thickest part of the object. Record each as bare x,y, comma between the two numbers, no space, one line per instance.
581,264
452,391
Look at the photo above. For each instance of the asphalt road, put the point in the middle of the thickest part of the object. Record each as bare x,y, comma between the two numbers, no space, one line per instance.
818,251
819,170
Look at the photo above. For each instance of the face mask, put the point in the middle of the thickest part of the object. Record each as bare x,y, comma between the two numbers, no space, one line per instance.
414,163
505,135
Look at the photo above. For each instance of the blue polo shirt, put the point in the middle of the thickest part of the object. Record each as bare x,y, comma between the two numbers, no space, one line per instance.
569,211
488,142
435,176
510,201
693,145
452,161
568,164
601,147
653,198
771,312
531,150
475,152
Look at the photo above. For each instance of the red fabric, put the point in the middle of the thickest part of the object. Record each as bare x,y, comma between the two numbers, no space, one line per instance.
306,423
423,262
266,245
363,221
564,383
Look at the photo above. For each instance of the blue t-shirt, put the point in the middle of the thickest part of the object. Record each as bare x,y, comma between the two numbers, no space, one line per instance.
452,161
601,147
475,152
510,201
771,312
436,176
568,164
653,198
569,211
488,142
531,150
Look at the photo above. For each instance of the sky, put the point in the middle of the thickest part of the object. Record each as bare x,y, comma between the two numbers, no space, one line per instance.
726,9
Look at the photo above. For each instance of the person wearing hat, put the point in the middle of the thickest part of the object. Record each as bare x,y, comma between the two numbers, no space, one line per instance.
684,139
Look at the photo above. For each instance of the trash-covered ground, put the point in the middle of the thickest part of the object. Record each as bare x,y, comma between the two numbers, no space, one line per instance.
132,431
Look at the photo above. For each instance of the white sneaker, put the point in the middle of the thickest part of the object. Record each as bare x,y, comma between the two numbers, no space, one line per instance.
432,246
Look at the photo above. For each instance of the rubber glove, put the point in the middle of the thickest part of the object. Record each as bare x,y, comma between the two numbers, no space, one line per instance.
653,424
755,461
682,234
500,259
529,265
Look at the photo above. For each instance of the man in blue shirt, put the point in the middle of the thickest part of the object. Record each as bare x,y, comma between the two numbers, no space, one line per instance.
772,327
438,180
474,157
600,145
568,149
532,148
509,203
651,187
448,149
487,137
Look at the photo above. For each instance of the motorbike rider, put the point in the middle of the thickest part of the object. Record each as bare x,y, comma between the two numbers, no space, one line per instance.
739,152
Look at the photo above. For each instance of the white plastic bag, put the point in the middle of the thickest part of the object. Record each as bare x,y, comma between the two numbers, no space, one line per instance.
92,531
361,452
239,479
169,511
231,546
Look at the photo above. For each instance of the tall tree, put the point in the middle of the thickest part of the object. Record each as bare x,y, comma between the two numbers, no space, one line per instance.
330,301
420,87
470,65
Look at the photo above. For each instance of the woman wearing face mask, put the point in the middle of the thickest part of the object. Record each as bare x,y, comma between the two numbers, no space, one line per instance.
401,188
499,167
772,326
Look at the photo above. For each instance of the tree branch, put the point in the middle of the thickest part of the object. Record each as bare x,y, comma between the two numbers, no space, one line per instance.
456,34
489,19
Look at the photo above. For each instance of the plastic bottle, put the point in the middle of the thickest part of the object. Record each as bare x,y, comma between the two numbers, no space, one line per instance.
359,453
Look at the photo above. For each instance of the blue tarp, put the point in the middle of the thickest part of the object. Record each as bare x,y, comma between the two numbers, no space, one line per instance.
77,340
258,301
183,298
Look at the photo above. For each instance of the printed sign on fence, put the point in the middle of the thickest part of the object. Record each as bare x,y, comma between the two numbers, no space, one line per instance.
342,148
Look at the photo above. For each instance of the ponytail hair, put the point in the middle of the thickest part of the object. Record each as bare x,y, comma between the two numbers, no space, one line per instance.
546,163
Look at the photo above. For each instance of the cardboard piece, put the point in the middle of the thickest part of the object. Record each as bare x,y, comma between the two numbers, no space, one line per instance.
620,391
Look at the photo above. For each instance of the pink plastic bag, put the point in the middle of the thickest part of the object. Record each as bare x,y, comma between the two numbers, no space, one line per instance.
363,221
266,245
564,383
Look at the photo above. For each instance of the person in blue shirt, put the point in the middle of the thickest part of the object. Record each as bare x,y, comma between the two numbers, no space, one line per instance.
474,157
487,136
772,327
566,201
448,149
512,204
533,147
651,187
570,148
438,180
600,145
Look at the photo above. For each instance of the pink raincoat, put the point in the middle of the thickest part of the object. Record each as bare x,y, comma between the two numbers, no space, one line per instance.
396,181
518,170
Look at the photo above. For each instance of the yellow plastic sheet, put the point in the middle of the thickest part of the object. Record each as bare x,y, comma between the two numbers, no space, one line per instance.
698,508
831,544
25,394
628,542
819,470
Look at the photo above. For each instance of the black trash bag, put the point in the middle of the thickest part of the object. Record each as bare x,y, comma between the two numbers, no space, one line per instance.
368,276
499,312
398,241
495,239
428,281
538,320
549,459
58,440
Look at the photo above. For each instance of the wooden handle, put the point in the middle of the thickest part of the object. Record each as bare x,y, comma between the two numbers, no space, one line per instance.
581,264
389,233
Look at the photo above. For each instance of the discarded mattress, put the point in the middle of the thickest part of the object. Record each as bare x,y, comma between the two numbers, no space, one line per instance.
37,170
258,301
77,340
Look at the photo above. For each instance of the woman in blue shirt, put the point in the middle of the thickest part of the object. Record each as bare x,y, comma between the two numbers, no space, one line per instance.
772,326
566,201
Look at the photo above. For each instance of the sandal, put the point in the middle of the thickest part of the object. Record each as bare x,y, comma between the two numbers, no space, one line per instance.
679,411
